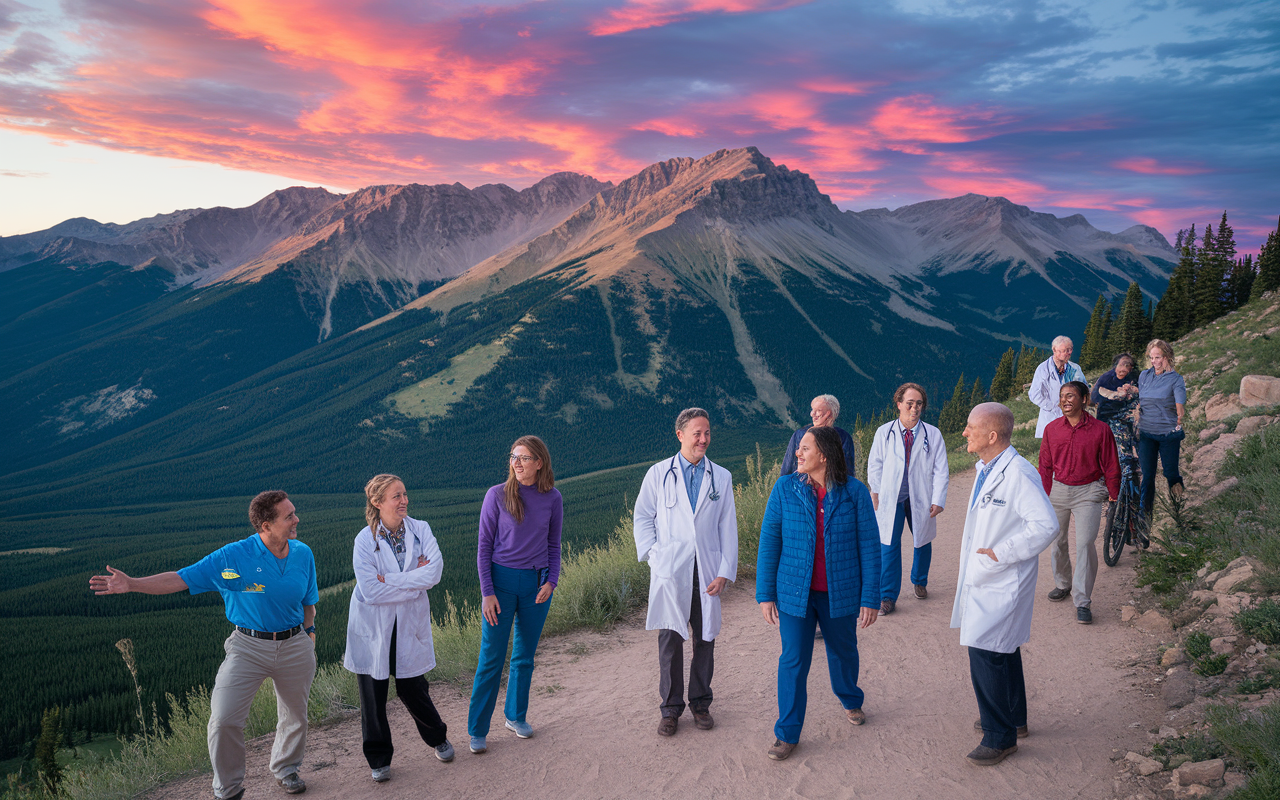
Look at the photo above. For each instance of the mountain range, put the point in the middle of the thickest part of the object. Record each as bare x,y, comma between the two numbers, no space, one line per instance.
382,328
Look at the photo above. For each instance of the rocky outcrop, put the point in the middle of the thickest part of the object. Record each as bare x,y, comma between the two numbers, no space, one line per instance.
1259,390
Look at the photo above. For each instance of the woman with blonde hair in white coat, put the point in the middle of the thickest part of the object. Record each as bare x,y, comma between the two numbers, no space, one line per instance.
908,476
1009,522
396,561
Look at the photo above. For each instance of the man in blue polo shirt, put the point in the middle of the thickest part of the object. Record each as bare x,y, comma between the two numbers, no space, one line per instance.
268,584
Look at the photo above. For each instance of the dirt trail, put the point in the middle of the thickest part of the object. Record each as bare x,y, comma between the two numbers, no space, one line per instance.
595,711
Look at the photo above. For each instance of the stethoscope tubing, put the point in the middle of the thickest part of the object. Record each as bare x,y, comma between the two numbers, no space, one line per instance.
670,498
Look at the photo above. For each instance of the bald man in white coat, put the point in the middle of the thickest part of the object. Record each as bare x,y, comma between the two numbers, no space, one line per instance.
686,527
1009,522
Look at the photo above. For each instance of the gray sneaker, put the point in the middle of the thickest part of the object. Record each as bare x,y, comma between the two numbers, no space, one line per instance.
292,783
444,752
522,729
478,744
382,774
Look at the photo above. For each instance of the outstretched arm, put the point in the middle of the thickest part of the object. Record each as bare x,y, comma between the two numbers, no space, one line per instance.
116,582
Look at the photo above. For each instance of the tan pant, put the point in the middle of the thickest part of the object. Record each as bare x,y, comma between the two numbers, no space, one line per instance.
1085,502
291,665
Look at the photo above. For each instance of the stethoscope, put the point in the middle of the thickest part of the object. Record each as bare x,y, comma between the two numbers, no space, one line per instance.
674,497
990,490
897,424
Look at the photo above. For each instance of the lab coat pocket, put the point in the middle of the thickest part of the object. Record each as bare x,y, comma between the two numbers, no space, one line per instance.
664,557
991,575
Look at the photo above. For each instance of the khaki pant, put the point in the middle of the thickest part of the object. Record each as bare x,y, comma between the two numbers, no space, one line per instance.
1085,502
291,665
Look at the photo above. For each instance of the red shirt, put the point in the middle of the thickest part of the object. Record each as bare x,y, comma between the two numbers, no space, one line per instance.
819,583
1079,455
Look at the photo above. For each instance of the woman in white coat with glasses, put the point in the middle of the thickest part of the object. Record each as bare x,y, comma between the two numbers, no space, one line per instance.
396,560
908,476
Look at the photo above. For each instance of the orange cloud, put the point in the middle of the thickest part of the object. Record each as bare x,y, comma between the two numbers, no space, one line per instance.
1149,166
916,118
640,14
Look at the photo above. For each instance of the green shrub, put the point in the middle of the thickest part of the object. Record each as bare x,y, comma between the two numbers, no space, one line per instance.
1192,747
1252,739
1262,622
1258,684
1197,645
750,499
1210,665
599,585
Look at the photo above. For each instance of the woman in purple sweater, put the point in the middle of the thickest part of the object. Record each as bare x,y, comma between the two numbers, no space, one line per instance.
519,561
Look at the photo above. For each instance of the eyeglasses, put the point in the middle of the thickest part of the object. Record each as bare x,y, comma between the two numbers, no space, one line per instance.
522,459
913,403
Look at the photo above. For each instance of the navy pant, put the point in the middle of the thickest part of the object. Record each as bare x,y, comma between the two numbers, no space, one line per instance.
671,662
516,590
1002,695
840,634
891,557
1151,445
414,693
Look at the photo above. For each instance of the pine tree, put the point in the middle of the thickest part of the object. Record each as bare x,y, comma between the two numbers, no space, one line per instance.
1268,279
1093,353
1210,272
46,753
1130,332
952,420
1173,315
976,396
1240,281
1002,383
1028,359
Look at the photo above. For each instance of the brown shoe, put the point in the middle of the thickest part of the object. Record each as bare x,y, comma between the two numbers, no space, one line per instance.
887,607
667,726
702,720
781,750
856,716
921,592
1022,730
985,756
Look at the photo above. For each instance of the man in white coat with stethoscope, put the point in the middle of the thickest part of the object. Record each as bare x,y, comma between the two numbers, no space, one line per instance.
908,476
686,527
1009,522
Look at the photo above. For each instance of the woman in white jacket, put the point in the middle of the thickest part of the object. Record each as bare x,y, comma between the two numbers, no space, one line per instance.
908,476
396,561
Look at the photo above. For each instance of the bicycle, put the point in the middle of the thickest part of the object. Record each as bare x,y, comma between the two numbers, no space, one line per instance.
1126,521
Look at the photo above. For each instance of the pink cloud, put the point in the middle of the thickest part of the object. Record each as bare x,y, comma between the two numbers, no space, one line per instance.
1149,166
640,14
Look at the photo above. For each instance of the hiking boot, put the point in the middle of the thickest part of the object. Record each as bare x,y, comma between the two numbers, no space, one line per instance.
856,716
985,756
887,607
781,750
667,726
292,783
702,719
1084,616
1058,595
921,592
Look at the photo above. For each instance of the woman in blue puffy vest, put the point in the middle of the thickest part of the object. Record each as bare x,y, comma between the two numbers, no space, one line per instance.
819,564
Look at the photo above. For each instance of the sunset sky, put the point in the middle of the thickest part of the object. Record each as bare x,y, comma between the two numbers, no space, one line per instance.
1152,111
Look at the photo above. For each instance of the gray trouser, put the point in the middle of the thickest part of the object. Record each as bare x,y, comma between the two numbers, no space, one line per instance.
1085,502
291,665
671,663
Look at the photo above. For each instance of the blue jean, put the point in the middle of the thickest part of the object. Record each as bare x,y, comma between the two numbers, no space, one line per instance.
1151,445
1001,690
840,634
891,557
516,590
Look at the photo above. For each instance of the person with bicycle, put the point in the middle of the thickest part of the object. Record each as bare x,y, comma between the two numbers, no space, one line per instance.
1080,470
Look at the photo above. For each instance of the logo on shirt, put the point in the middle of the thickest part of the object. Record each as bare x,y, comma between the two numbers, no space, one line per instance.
254,587
230,574
1000,503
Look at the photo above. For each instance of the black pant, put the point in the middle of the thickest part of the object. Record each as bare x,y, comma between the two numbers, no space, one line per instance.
373,712
1002,695
671,662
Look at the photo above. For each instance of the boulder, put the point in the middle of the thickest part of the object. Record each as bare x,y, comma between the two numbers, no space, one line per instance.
1231,578
1179,688
1128,613
1223,644
1211,431
1203,597
1144,766
1251,425
1259,390
1204,773
1154,622
1172,657
1221,406
1209,458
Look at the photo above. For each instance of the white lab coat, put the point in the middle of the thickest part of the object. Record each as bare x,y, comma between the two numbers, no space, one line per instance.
1044,389
1014,518
376,607
670,535
926,483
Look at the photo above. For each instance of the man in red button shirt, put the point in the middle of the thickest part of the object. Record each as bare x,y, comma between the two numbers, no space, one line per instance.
1080,470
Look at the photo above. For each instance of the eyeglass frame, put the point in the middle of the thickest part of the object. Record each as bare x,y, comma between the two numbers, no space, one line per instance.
512,458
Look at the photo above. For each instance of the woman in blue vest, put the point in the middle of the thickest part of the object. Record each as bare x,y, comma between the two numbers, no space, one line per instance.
819,564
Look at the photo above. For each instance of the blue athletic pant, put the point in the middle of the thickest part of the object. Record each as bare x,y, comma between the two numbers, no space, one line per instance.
840,635
891,557
516,590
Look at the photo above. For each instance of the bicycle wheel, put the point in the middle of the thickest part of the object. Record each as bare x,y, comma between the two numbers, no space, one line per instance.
1117,532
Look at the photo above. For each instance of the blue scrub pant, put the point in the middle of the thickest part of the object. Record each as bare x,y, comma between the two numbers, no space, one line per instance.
1002,695
1151,445
840,634
891,557
516,590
